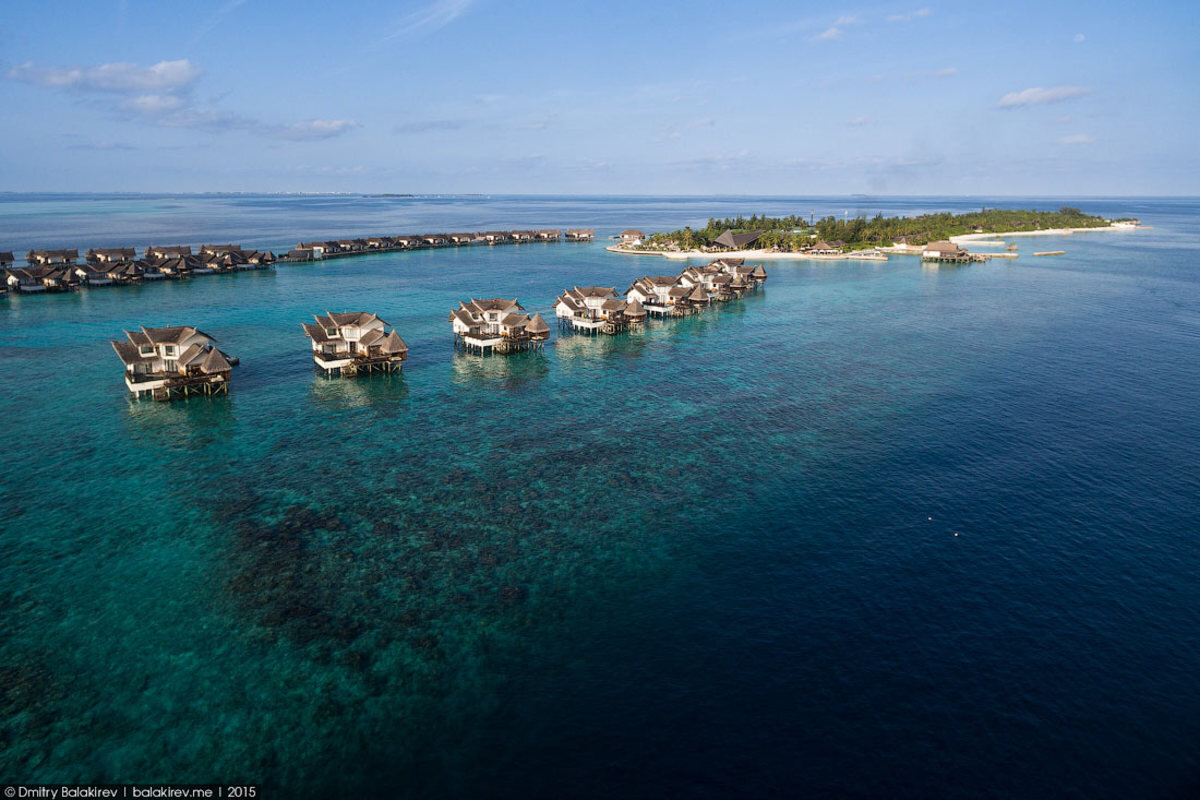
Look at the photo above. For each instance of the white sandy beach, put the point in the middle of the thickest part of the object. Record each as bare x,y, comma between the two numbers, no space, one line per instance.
980,237
764,255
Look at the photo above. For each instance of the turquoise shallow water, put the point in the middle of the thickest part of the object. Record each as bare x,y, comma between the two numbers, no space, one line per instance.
697,559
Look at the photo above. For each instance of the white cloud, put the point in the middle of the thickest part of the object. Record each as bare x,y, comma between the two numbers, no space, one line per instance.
1039,96
1076,138
314,129
162,95
848,19
910,16
432,17
706,122
152,103
1079,37
115,77
829,34
860,122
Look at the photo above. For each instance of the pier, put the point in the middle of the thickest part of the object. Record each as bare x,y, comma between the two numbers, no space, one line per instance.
342,248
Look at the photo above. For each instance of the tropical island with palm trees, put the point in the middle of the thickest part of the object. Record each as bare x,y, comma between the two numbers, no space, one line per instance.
831,236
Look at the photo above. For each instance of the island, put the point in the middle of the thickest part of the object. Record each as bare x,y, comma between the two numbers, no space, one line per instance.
870,238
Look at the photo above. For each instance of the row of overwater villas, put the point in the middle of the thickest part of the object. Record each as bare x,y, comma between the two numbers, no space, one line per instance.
178,361
62,271
315,251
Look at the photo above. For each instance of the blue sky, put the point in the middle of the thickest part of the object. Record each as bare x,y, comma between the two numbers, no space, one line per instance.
617,97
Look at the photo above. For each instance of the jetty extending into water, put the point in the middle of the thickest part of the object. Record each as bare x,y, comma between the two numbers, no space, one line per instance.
497,326
173,362
355,343
343,248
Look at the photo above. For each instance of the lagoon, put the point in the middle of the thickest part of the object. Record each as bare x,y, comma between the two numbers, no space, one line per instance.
878,529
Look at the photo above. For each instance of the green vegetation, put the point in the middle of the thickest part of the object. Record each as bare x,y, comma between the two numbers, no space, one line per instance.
794,233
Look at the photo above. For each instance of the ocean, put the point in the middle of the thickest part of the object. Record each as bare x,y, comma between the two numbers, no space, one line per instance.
876,530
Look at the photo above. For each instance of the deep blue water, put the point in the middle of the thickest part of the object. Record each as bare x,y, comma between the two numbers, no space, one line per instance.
717,557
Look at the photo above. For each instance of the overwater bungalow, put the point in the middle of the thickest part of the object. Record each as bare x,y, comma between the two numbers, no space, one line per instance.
158,253
522,236
93,274
434,239
313,250
948,252
462,238
596,309
497,326
126,272
109,255
659,294
43,278
23,279
496,237
580,235
548,235
219,249
6,259
743,277
714,280
172,362
355,343
51,258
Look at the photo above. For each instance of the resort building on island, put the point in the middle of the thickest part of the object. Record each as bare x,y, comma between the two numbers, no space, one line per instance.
498,326
737,241
632,236
172,362
948,252
597,309
355,343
